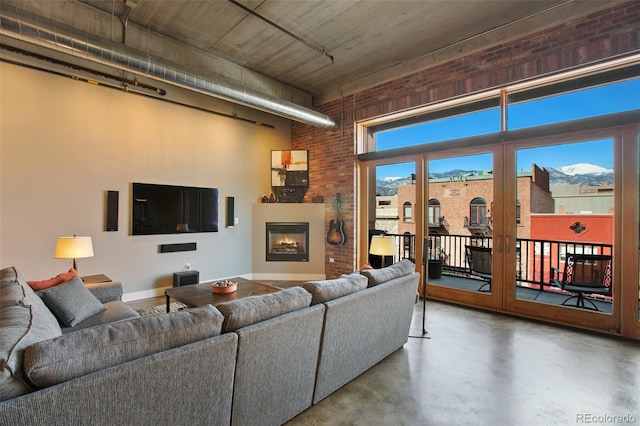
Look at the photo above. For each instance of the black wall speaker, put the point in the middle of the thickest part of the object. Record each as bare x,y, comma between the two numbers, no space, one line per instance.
230,220
111,222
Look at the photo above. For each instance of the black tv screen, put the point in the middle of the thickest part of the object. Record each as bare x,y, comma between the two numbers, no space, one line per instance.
168,209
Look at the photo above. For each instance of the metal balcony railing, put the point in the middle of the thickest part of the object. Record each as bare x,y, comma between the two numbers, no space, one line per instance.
439,222
479,222
534,258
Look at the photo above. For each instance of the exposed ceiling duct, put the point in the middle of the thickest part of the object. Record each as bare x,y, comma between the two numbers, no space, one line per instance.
30,28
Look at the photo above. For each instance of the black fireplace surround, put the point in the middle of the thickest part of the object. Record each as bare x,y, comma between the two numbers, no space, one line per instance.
287,241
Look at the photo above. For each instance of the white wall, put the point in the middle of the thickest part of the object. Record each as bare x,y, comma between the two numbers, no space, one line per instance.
64,143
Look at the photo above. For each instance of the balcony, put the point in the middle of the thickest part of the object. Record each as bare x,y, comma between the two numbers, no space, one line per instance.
439,225
534,262
480,224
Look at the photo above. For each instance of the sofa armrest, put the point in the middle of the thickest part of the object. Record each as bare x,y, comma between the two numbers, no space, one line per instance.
110,291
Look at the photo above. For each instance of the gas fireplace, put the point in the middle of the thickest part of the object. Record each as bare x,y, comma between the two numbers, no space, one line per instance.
287,241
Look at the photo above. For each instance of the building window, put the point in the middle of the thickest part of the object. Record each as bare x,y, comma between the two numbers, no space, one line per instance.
406,212
518,221
478,212
434,212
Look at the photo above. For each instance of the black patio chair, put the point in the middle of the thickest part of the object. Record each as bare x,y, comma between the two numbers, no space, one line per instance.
479,260
584,274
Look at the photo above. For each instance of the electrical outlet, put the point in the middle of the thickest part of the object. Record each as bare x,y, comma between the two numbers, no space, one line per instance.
187,266
331,260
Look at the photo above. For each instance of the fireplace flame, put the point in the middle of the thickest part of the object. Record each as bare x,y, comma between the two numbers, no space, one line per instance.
286,240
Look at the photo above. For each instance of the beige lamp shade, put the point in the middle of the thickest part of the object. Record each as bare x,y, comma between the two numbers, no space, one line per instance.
382,246
73,248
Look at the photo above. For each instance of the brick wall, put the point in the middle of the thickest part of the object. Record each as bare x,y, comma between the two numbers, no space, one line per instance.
332,161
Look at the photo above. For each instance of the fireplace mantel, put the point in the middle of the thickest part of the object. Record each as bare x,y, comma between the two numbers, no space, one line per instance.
314,268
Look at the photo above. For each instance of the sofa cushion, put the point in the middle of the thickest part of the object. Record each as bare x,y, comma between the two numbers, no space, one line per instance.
11,293
97,348
71,302
58,279
323,291
379,276
9,274
24,320
253,309
110,291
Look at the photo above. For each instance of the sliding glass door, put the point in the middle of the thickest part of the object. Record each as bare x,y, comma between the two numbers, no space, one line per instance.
564,230
516,227
461,239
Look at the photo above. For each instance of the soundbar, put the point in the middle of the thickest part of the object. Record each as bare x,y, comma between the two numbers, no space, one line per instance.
172,248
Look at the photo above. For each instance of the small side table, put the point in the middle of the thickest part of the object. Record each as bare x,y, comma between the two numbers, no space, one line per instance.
93,279
186,278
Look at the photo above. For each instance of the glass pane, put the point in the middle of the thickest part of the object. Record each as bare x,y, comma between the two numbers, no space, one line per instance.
433,215
460,239
565,232
591,102
453,127
395,198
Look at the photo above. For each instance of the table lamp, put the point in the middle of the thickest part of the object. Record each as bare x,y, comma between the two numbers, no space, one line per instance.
73,248
382,246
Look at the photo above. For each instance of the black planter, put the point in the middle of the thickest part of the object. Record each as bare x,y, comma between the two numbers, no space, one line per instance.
435,268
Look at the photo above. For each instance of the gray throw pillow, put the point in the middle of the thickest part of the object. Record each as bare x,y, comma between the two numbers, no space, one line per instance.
71,302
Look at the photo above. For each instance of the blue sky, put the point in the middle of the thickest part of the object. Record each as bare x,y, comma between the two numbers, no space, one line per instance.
622,96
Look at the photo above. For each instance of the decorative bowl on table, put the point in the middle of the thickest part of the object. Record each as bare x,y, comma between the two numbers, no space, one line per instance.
224,286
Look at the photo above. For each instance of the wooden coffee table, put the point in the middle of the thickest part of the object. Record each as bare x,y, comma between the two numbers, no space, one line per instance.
201,294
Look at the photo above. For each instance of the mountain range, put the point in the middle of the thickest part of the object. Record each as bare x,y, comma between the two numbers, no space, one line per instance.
583,174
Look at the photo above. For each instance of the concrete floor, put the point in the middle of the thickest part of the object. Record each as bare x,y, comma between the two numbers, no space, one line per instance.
481,368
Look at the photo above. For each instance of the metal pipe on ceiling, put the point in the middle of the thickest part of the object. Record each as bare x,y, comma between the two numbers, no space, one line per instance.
40,31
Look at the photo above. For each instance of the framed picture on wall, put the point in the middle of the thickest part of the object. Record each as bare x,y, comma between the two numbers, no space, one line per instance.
290,168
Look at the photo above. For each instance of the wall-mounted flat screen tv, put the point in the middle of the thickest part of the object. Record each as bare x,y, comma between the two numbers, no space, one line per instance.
168,209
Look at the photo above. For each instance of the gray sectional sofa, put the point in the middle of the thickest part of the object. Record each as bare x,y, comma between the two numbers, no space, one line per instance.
258,360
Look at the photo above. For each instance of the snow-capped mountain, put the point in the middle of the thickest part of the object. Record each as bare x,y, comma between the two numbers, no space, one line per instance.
580,174
389,186
584,169
576,174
